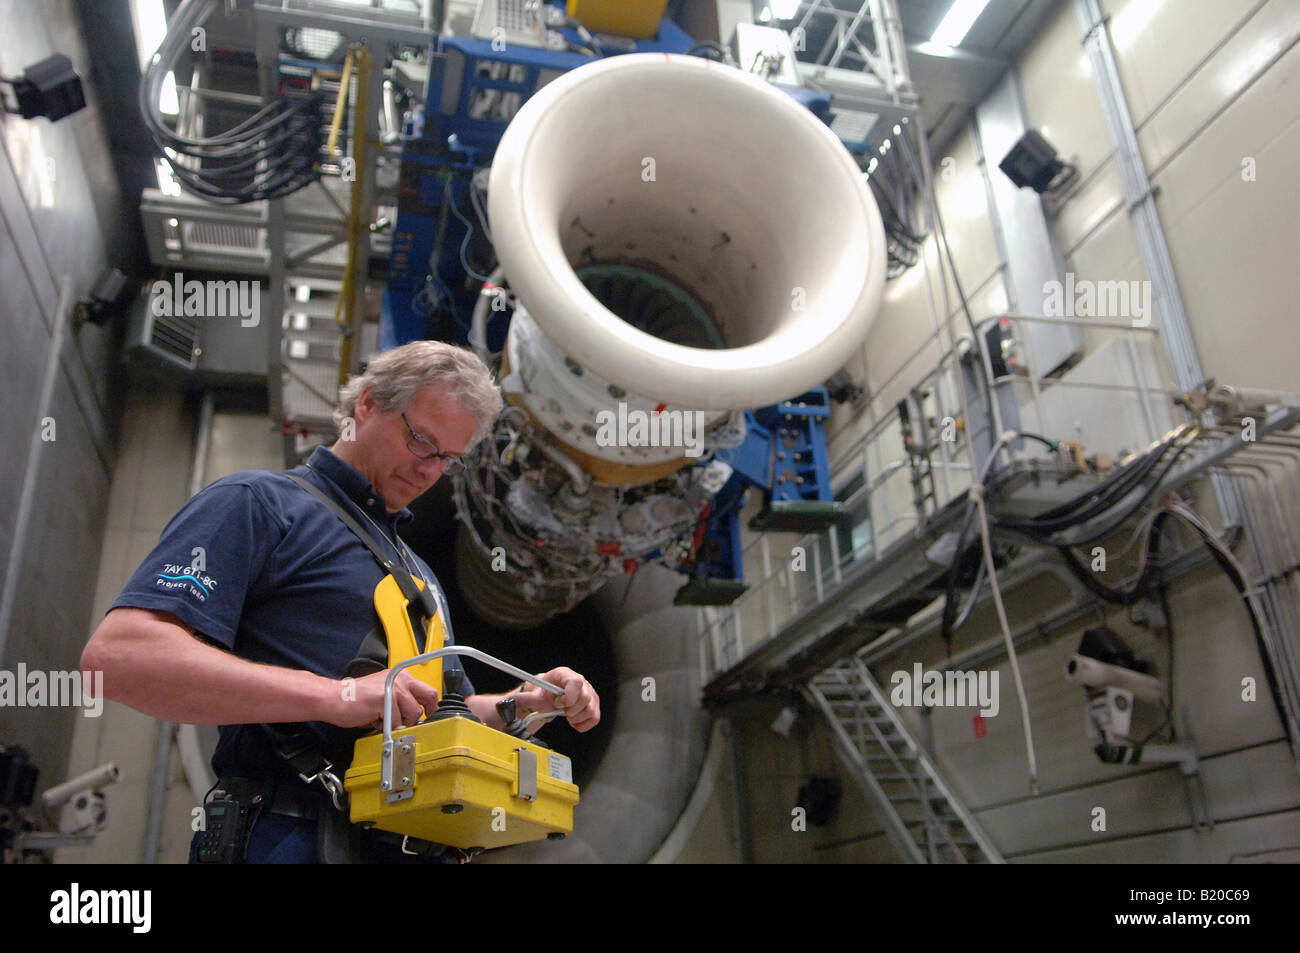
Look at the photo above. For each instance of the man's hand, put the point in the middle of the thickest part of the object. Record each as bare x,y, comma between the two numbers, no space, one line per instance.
361,701
580,702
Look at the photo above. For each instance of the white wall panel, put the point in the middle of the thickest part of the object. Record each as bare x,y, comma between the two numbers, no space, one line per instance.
1159,43
1261,38
1233,242
1059,95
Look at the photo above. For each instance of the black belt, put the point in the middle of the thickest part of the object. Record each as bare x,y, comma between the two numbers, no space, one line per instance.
307,804
287,799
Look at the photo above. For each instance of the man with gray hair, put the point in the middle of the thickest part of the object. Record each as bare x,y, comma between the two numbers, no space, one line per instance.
254,607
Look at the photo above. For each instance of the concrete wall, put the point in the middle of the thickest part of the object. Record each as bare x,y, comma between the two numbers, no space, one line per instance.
60,228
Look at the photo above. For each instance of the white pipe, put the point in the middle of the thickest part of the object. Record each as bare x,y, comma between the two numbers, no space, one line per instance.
478,323
658,746
32,472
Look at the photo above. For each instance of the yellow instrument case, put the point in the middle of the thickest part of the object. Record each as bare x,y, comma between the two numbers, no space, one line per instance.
468,781
456,781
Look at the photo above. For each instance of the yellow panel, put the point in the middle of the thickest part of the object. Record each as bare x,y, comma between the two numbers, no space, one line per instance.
963,203
635,18
1215,87
1093,202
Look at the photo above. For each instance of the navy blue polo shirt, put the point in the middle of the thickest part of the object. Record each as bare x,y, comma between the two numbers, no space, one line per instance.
256,564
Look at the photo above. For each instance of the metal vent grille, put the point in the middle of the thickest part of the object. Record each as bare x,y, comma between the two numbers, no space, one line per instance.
218,235
175,338
853,126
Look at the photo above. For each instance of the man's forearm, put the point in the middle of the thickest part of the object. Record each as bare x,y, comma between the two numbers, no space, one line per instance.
160,669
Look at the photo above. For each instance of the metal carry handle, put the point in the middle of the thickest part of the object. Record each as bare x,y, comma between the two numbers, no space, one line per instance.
453,650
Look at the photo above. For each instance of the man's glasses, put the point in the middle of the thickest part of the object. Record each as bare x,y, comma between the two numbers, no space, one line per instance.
427,450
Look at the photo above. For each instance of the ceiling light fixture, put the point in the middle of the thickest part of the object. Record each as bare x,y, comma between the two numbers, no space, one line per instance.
957,22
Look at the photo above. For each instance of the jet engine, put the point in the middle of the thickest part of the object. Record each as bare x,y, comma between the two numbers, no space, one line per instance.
679,241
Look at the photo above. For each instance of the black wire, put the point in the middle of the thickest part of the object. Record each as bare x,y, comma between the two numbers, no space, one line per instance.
276,149
1221,557
950,584
1151,578
1141,501
1113,493
1098,500
1162,589
1112,489
1147,578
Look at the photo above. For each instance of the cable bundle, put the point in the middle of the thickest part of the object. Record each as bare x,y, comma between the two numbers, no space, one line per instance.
271,154
1107,497
902,244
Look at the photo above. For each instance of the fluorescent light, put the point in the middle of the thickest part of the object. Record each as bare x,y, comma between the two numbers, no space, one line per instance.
168,103
934,49
957,22
784,9
150,27
167,183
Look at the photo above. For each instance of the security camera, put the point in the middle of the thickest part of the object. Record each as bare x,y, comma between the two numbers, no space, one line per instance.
86,783
1104,661
50,88
84,806
1098,676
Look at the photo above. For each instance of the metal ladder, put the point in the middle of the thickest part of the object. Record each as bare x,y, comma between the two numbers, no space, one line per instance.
922,817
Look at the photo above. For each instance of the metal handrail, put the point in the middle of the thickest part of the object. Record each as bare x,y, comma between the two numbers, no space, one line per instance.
853,460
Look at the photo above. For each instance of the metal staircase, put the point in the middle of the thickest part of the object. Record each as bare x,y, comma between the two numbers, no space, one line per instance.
922,817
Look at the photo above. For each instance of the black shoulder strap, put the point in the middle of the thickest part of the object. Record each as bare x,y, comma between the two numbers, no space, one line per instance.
413,594
298,746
